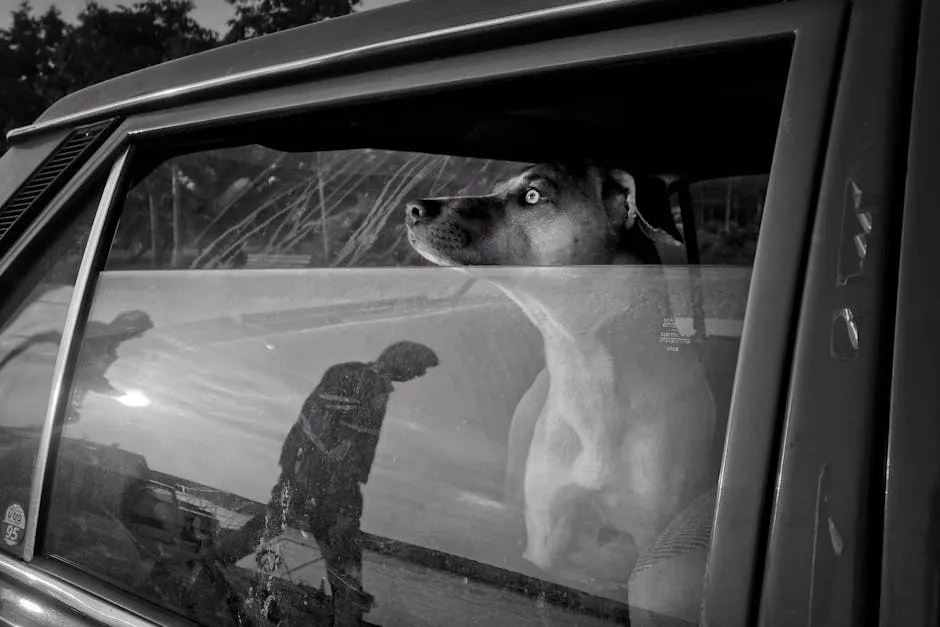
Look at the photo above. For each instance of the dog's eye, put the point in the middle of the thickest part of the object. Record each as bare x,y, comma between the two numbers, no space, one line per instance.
532,196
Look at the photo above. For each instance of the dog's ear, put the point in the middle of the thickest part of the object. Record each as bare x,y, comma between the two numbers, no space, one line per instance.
634,218
616,187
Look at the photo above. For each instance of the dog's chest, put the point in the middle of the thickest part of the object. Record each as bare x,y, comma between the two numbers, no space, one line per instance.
583,382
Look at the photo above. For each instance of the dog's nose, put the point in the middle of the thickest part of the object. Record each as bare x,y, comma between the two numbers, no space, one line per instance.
418,210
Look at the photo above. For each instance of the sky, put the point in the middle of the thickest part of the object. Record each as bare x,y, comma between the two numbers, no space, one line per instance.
209,13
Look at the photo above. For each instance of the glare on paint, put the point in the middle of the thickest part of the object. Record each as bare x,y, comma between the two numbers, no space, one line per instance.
30,606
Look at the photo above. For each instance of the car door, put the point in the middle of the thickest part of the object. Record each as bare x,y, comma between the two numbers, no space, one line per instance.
243,246
908,584
823,554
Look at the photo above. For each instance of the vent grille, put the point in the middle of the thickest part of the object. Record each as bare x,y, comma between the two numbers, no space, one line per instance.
25,204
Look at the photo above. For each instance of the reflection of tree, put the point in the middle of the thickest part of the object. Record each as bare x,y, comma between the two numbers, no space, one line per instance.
321,168
258,17
336,208
728,213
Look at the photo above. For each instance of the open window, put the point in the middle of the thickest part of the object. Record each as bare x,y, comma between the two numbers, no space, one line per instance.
248,437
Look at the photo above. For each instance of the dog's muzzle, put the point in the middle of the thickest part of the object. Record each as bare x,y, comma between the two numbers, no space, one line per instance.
422,211
431,233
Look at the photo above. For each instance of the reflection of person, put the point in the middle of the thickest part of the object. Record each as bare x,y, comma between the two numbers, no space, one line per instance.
328,454
98,352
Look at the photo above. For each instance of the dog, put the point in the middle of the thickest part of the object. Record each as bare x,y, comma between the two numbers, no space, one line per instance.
587,216
620,428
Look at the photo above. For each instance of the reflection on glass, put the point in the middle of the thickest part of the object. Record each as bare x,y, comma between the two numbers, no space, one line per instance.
32,316
133,398
254,207
531,439
327,455
729,212
177,491
99,351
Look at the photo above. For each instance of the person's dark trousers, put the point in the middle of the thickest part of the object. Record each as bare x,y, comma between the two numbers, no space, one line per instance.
334,523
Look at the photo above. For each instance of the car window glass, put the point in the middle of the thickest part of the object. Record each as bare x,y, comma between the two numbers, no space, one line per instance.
32,317
727,213
255,207
401,384
190,384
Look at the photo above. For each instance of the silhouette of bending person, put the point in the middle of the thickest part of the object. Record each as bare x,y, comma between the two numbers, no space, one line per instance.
99,351
327,456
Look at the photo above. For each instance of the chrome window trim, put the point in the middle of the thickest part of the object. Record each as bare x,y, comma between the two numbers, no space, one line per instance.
78,307
167,96
74,598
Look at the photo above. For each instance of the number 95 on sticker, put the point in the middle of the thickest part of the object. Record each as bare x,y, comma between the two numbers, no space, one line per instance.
13,525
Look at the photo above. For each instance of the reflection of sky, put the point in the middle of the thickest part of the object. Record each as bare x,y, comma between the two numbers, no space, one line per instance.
26,380
227,374
233,355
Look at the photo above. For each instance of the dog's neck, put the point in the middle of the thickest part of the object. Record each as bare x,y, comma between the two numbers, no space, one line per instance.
574,304
599,325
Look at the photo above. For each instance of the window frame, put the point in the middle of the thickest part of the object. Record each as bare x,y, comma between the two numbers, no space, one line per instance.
749,462
85,206
75,319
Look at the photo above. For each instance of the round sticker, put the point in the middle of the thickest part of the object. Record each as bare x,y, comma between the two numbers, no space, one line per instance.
14,524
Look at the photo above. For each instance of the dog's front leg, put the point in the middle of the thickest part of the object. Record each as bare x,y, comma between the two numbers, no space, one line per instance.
550,496
521,432
582,396
581,383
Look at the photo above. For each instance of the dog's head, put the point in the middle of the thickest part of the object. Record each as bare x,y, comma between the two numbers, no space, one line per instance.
550,214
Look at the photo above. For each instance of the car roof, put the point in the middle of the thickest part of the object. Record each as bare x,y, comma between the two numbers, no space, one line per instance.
416,26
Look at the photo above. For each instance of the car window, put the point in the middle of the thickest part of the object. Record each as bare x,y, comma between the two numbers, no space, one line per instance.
257,207
32,316
727,214
393,382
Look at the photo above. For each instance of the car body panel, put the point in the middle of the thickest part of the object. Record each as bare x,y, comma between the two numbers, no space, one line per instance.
821,552
418,27
638,42
910,590
29,596
748,467
87,179
19,162
21,605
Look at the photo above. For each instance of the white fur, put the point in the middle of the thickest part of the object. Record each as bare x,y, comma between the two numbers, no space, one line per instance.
633,440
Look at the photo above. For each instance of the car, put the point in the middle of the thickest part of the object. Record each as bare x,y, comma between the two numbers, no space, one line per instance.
740,433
